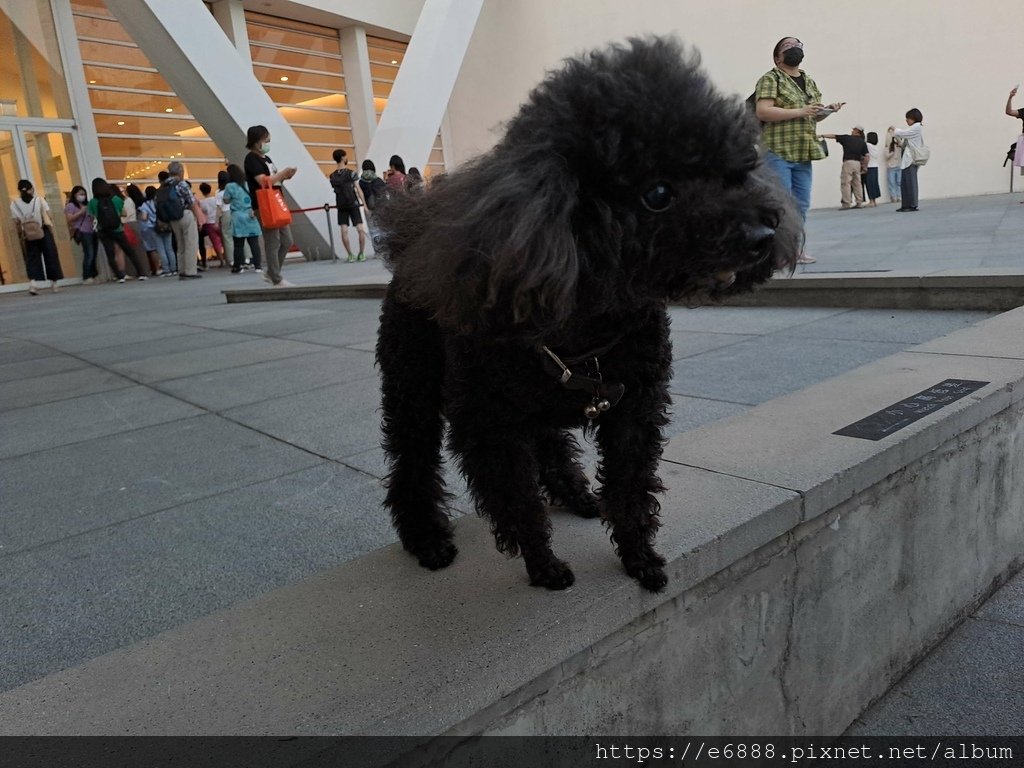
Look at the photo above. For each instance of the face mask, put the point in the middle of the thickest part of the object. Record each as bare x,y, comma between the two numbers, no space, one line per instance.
26,197
80,198
265,148
792,57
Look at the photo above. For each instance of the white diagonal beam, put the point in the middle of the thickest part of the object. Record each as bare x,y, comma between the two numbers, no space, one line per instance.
425,81
190,50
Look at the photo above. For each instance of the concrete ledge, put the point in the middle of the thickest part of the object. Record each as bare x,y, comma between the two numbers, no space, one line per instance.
807,573
942,290
374,290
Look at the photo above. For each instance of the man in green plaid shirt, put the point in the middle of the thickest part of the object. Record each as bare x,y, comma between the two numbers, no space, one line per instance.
789,104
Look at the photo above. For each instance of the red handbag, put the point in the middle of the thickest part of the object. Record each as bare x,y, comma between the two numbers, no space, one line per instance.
273,210
132,237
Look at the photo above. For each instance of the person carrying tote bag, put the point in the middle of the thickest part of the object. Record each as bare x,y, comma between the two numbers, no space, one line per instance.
912,138
264,181
31,217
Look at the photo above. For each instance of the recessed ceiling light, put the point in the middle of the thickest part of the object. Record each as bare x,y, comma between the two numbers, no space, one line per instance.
168,110
394,61
284,79
120,122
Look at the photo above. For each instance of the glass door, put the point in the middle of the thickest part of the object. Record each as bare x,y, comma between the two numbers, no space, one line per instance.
12,264
46,155
53,169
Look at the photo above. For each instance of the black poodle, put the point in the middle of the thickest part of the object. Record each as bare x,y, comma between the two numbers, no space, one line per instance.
529,299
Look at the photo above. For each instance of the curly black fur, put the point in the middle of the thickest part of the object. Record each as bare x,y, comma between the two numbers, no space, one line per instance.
625,181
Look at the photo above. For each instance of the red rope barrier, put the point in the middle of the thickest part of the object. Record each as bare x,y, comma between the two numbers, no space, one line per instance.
318,208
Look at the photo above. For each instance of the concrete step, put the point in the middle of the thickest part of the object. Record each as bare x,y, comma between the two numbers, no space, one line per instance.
972,290
995,290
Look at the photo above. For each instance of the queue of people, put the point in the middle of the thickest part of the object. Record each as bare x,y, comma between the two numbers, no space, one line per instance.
162,231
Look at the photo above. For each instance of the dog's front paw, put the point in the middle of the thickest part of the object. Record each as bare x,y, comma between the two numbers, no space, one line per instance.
436,555
553,574
651,578
649,571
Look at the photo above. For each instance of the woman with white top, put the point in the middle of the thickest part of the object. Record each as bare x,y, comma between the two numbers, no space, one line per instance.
873,192
910,137
31,217
211,229
893,158
133,217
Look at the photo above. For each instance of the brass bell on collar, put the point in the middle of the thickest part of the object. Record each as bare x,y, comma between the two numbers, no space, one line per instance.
591,411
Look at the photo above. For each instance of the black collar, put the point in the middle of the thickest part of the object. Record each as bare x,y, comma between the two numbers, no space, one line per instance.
603,395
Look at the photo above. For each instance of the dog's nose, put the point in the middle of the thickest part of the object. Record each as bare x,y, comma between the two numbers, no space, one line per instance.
758,238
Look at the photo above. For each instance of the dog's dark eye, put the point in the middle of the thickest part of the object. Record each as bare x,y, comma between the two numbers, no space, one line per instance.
659,197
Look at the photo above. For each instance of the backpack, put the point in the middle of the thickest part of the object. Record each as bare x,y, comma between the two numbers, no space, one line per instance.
169,205
107,217
375,192
343,182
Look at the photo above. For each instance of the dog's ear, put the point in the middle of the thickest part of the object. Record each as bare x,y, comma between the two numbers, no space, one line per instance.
490,248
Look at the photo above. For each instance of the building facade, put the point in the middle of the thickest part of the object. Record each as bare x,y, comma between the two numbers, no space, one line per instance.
85,94
119,88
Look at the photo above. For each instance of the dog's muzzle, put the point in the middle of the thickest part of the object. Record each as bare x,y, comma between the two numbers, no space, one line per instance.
758,240
757,246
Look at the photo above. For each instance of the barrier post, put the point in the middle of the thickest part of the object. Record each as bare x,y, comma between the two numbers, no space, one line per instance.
330,232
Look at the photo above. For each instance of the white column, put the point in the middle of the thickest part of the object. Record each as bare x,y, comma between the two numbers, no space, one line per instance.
190,50
425,81
78,90
230,14
355,60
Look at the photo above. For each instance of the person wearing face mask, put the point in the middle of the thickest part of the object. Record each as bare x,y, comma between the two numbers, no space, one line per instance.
788,103
259,168
31,217
83,231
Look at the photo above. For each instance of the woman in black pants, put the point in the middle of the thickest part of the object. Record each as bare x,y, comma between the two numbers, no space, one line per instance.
31,216
106,208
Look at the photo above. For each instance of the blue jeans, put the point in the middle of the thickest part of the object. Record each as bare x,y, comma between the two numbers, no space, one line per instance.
894,183
796,177
165,250
88,243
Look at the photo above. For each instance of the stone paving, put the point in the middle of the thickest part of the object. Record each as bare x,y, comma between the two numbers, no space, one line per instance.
164,455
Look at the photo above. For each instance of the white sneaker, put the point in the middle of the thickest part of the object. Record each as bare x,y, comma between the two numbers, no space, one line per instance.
267,278
54,287
142,277
122,279
284,284
89,281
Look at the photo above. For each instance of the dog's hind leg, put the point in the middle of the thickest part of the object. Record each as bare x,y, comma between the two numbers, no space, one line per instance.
410,354
562,477
502,472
